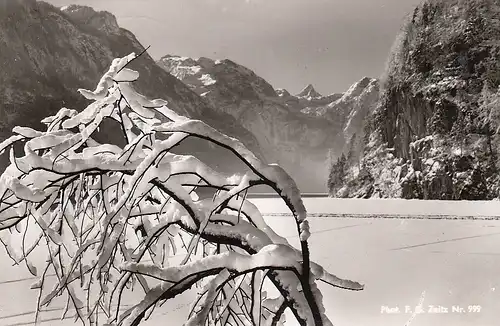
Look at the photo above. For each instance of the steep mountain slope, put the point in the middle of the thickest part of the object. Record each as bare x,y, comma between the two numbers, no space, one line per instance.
435,132
287,127
309,101
47,53
353,107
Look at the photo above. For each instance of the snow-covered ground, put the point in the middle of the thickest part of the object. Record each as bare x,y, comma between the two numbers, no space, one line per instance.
446,262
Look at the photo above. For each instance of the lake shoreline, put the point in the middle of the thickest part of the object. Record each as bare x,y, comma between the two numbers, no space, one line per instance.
390,216
388,208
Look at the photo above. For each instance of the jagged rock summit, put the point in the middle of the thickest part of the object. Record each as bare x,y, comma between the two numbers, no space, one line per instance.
283,92
309,93
357,88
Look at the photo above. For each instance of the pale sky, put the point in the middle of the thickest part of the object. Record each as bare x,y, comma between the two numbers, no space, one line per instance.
328,43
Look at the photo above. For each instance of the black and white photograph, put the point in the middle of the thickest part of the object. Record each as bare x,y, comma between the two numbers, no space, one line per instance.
250,162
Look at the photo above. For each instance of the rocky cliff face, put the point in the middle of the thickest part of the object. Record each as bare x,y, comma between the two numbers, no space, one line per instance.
47,53
288,128
434,134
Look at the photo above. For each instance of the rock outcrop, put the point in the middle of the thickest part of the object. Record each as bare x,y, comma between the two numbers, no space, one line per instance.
434,134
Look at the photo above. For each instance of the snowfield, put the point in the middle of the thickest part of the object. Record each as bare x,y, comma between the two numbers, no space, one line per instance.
443,263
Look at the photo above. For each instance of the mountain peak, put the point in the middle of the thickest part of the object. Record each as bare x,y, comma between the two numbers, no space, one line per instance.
282,92
358,87
309,92
102,20
233,79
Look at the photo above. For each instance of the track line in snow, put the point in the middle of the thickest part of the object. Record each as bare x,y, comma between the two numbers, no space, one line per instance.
444,241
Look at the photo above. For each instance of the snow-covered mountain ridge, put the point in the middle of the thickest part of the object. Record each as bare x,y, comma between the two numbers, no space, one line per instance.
297,131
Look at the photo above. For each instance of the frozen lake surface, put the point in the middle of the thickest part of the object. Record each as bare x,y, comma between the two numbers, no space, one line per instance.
445,261
391,207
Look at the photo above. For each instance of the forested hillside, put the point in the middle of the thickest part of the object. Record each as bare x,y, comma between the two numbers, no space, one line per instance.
434,134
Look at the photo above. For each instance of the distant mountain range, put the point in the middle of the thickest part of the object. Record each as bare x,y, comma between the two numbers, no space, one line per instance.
296,131
47,53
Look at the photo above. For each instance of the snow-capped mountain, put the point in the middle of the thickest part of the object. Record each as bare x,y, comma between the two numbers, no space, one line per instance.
47,53
309,93
288,128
